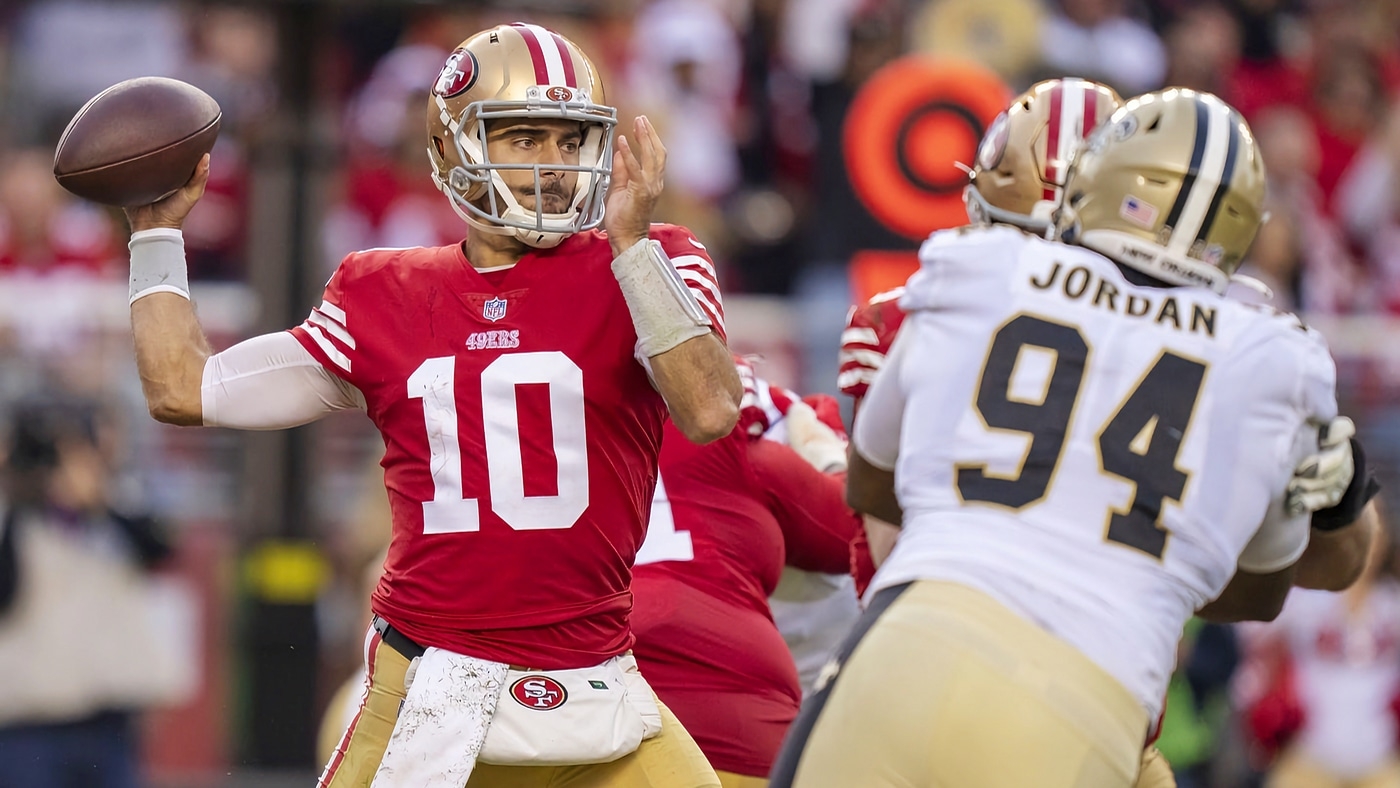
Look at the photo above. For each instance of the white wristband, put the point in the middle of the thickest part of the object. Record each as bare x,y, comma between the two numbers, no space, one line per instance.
158,263
663,309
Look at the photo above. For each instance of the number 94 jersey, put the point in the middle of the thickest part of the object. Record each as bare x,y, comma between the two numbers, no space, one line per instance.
521,436
1097,455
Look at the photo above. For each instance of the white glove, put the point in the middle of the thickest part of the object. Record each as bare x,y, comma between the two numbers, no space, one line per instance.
815,442
1321,479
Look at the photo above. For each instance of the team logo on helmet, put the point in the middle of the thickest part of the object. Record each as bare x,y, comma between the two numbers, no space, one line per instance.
458,75
557,93
541,693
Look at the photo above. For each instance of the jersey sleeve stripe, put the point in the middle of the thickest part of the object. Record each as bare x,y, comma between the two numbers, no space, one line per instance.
873,359
336,329
715,314
333,312
704,289
856,335
324,343
695,261
856,376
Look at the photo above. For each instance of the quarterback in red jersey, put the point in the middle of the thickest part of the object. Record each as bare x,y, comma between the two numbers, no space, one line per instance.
520,381
726,519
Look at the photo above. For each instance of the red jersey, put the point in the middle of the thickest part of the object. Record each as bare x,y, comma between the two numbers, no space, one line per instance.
726,518
870,330
521,437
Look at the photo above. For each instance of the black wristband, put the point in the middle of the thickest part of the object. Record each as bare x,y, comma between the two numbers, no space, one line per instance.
1362,489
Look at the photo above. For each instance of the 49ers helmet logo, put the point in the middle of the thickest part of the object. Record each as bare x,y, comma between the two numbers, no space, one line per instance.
541,693
458,75
557,93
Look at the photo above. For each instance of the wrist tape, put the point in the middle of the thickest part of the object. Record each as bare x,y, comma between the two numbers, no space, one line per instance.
663,309
158,263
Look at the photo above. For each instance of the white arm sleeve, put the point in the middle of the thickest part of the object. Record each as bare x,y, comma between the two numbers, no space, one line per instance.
271,382
876,431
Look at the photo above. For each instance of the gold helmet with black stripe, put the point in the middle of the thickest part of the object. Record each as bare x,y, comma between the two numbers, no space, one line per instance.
1172,185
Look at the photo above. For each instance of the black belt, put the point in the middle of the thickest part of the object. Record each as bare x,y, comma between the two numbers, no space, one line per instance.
397,640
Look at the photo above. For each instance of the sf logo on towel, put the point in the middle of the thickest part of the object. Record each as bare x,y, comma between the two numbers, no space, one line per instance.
539,692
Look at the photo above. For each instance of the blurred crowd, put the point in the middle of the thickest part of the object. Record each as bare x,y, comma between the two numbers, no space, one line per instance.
750,97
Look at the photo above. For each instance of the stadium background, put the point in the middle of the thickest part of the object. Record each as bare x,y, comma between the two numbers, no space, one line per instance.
322,153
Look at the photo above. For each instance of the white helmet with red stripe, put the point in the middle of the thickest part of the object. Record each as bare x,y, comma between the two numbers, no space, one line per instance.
1025,154
515,71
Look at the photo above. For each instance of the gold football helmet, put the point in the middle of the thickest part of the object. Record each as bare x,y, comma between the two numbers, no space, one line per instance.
1172,185
1025,154
514,71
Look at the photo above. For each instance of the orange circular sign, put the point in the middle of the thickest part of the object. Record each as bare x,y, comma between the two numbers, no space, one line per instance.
908,130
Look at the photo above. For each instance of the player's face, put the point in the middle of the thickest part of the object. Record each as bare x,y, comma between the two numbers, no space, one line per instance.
540,141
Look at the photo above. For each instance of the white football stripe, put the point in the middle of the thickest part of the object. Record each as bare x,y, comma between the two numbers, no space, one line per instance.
324,342
337,330
703,290
855,376
333,312
856,335
1207,180
873,359
695,261
553,64
1072,121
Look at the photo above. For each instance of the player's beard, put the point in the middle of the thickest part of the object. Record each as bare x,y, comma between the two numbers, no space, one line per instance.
554,198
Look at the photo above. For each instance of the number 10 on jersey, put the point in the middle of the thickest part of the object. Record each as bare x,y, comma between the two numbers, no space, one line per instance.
450,511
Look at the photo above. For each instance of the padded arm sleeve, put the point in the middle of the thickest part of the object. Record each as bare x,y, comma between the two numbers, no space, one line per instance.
271,382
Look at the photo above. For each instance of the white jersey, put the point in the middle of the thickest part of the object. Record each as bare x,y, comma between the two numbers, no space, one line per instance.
1098,456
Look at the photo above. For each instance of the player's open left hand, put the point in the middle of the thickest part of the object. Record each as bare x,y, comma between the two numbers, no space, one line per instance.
638,176
171,211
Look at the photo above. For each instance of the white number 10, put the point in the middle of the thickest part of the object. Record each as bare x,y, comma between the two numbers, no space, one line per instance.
450,511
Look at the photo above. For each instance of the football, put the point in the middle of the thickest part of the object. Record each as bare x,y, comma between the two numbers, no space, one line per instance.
137,141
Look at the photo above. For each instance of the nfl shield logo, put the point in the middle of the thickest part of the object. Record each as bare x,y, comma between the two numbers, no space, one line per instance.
494,309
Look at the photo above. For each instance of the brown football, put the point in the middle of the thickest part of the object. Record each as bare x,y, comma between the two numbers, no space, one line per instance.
137,141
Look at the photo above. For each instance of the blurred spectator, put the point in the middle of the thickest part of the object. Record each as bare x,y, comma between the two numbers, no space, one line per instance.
685,75
233,56
1348,103
1203,49
1368,202
43,228
80,648
66,51
1098,40
1003,35
1331,666
1299,253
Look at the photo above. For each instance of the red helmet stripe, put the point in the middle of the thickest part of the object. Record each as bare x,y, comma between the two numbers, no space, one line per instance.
1052,141
1091,113
536,52
568,59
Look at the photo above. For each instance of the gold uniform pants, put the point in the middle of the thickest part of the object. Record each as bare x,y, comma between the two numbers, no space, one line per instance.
671,759
939,684
1294,770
